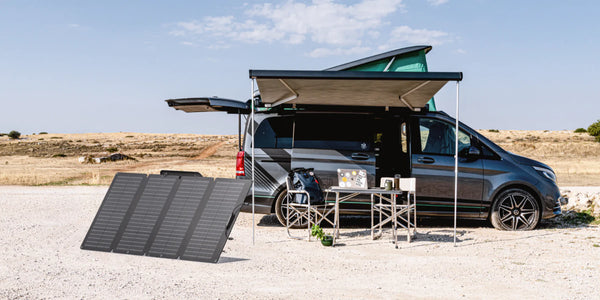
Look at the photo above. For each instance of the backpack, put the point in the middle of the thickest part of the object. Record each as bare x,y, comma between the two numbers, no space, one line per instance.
305,179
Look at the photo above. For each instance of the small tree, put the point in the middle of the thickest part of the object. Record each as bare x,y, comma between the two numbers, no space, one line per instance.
14,134
580,130
594,129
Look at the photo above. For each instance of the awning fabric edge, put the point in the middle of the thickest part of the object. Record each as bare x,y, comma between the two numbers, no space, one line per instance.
356,75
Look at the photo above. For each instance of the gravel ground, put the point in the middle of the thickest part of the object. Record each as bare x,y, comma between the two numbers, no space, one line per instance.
41,229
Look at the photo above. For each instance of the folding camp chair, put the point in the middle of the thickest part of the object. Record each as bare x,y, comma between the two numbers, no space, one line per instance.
297,212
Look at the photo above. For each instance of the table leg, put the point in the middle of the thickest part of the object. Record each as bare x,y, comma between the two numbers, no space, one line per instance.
408,219
372,235
395,224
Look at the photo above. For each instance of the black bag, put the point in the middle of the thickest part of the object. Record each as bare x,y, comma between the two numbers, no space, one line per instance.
305,179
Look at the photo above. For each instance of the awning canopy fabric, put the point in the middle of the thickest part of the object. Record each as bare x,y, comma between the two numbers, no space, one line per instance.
349,88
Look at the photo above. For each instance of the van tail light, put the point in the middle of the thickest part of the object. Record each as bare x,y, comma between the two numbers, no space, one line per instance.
239,164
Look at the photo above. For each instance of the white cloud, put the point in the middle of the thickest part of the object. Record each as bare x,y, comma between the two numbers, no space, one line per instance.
323,22
437,2
73,25
460,51
333,26
405,34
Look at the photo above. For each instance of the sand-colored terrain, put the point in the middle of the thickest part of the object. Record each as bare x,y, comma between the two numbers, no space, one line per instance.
51,159
41,230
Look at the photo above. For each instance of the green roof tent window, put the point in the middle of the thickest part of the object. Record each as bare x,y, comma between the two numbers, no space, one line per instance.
409,59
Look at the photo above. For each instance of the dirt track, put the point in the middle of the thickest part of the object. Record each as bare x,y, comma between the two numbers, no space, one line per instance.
41,229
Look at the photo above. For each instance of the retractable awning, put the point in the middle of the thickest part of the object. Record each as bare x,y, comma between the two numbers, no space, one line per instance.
350,88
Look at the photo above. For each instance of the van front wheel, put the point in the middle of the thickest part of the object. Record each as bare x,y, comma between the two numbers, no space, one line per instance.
515,209
281,212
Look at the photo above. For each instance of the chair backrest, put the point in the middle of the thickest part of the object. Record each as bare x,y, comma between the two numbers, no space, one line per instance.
408,184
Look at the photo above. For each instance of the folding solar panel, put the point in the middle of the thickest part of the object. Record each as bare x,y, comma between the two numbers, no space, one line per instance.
172,215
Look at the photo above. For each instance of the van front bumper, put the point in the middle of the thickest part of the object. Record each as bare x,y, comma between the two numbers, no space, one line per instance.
557,210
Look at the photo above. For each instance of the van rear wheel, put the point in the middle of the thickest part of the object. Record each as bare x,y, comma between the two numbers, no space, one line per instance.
515,209
281,211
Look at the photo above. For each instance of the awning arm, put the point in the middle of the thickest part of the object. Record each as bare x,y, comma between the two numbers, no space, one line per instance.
412,90
287,99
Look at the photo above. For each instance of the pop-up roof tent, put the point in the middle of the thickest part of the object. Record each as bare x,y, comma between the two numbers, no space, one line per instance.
409,59
351,88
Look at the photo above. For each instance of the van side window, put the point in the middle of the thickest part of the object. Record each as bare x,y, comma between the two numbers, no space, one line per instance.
437,137
353,133
274,133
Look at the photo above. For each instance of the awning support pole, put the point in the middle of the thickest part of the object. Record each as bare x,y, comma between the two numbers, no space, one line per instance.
252,120
456,164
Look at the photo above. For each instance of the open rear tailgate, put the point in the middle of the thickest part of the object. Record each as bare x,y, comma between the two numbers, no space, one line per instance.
207,104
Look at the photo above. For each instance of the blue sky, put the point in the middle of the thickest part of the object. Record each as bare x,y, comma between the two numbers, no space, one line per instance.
107,66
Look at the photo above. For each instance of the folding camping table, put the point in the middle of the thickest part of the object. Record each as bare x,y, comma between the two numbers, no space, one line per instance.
383,196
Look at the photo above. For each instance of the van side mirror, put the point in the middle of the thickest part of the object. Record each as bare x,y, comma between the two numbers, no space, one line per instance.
473,152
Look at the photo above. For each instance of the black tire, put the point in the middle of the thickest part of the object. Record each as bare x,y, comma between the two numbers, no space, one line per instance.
515,209
280,211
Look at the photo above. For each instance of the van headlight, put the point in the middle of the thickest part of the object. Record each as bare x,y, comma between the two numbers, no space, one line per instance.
546,173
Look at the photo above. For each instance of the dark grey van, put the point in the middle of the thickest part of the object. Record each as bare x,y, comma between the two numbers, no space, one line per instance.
512,191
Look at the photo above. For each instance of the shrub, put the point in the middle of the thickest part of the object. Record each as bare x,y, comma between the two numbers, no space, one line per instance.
14,134
594,129
59,155
580,130
493,130
43,132
112,149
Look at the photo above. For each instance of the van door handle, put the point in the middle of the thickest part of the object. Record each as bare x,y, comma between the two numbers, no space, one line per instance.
360,156
426,160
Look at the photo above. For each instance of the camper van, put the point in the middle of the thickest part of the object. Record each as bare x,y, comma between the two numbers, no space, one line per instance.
511,191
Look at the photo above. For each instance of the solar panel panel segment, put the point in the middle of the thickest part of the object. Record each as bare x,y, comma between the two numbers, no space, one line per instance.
145,216
113,210
215,220
188,197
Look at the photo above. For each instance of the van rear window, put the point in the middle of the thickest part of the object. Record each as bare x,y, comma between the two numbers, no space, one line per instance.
354,133
274,133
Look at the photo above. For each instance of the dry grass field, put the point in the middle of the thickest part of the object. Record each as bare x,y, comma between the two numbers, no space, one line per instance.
52,159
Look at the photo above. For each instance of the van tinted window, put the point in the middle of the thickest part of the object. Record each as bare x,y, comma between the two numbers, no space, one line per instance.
354,133
274,133
437,137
